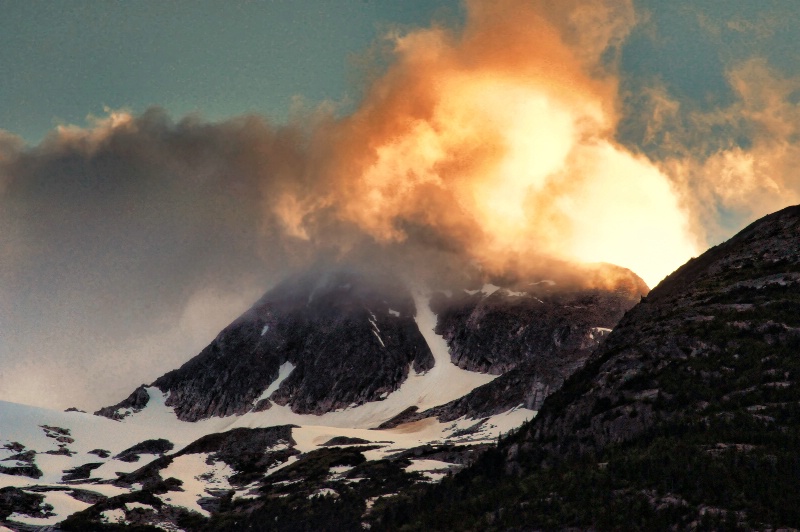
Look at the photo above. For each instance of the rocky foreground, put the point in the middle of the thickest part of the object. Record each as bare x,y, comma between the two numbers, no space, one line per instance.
686,417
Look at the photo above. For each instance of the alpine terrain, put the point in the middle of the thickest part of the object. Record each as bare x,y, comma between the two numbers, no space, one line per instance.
686,417
336,391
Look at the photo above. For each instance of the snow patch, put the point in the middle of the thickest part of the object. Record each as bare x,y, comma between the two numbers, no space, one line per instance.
283,372
515,294
394,313
487,290
599,332
197,476
264,330
378,336
339,470
375,330
63,505
428,465
115,516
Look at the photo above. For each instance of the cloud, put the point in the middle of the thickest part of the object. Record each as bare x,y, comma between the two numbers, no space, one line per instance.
490,137
110,232
730,164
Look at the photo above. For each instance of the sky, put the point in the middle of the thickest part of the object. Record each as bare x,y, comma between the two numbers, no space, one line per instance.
162,164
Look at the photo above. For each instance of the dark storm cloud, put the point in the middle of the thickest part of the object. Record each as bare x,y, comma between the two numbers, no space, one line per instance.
107,233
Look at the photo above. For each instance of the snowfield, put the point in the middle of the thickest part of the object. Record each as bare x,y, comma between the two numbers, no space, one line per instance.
63,441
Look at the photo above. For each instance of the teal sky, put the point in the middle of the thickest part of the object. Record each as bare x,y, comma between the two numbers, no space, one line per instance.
691,45
61,61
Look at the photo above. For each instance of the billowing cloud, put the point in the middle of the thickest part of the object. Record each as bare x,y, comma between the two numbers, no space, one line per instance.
109,233
731,164
500,137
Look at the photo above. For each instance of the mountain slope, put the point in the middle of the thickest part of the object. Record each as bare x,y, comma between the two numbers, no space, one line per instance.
331,394
349,339
688,416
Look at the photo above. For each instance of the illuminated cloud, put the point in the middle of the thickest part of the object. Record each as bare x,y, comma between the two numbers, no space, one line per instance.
736,163
500,138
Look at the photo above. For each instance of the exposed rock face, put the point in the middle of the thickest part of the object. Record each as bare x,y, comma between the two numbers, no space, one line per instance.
350,338
83,471
248,451
495,333
534,339
134,403
528,385
158,446
14,500
24,462
713,336
344,440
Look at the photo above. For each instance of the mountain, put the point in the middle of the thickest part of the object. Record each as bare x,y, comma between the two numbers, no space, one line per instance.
686,417
348,338
336,390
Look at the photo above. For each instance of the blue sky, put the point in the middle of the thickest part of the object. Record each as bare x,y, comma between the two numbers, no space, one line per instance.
62,61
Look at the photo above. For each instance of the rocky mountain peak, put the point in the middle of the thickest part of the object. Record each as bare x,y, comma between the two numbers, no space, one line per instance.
347,337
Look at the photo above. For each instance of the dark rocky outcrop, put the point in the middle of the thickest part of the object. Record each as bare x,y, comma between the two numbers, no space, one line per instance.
25,462
102,453
25,470
247,451
344,440
14,500
80,472
535,339
497,332
158,446
139,518
351,338
134,403
526,385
